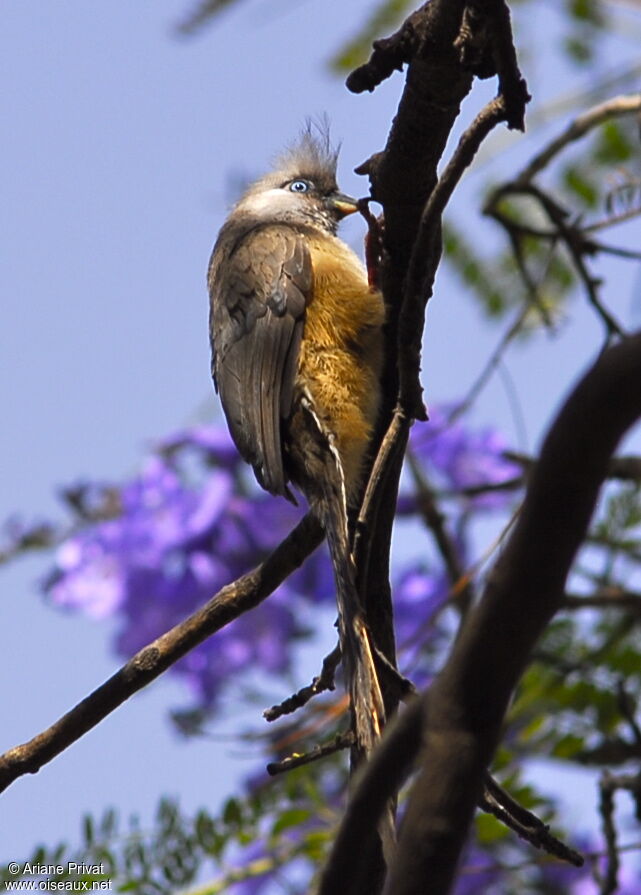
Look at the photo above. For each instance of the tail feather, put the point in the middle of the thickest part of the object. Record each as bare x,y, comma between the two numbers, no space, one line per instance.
323,481
360,670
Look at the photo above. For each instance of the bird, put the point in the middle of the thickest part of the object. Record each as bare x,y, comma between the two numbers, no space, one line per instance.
297,351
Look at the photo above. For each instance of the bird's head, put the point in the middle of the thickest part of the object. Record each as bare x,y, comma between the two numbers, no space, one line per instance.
301,189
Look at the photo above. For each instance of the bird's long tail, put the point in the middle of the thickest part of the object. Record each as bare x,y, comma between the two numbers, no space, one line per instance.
325,489
356,645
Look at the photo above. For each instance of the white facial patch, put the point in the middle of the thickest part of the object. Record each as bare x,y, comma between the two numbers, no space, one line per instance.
270,203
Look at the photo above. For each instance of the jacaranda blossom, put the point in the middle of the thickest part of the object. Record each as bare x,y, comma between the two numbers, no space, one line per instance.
193,521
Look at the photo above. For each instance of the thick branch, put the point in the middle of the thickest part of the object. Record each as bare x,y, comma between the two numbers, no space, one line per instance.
152,660
404,180
387,770
380,780
469,698
389,55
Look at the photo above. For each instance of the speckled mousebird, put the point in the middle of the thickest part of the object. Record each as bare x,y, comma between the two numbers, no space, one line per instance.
296,357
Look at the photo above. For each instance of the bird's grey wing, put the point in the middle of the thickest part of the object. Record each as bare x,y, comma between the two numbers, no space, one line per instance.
259,287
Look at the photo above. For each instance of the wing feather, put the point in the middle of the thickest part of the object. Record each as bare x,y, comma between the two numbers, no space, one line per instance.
259,288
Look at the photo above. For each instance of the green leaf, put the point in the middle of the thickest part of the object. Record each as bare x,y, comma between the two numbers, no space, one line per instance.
315,845
292,818
577,181
578,49
474,272
489,830
203,14
88,830
568,746
614,145
232,813
207,835
586,11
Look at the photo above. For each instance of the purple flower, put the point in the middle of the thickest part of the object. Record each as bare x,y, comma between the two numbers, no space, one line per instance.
185,531
463,459
478,872
213,441
192,522
418,594
159,518
258,855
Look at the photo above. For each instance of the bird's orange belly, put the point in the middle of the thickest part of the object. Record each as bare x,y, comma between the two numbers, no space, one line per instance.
341,354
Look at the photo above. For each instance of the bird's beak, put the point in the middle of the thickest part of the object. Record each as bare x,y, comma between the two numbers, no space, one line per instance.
342,205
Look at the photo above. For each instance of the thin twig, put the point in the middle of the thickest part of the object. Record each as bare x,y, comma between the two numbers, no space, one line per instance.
612,220
611,598
574,237
230,602
609,752
607,788
495,800
393,677
613,108
339,742
578,247
531,285
391,446
324,681
627,707
617,252
426,255
435,522
492,363
571,236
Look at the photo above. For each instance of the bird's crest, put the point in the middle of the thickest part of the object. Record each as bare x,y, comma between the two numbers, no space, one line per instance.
311,155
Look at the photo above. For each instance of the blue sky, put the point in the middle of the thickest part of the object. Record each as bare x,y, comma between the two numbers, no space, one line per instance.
121,143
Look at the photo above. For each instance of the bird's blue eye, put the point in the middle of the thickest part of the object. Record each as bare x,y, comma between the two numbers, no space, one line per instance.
299,186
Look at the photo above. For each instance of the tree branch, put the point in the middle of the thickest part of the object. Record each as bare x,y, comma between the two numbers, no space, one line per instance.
323,681
435,522
467,703
389,55
404,180
380,779
624,468
468,700
495,800
322,750
576,130
607,598
387,770
152,660
426,254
